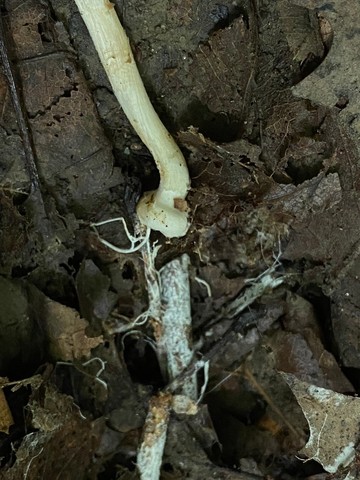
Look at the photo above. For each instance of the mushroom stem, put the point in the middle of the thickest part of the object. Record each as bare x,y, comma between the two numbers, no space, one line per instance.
164,209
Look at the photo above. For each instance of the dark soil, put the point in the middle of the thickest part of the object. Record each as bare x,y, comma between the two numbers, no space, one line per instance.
275,182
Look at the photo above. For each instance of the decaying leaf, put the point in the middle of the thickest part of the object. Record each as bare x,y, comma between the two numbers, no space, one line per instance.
71,147
52,411
6,419
302,31
66,332
17,328
300,351
93,289
333,420
326,85
312,196
64,446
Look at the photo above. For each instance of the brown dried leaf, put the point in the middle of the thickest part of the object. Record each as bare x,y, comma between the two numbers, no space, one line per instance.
304,355
6,419
64,447
316,195
302,31
66,332
231,169
93,290
223,71
335,81
51,410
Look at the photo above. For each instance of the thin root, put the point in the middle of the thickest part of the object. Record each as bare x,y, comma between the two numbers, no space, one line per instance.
136,242
205,284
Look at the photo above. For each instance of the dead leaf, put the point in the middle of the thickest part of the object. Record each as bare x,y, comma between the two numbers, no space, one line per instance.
299,350
333,420
73,153
302,31
93,289
20,339
6,419
43,455
231,169
52,411
326,85
66,332
313,196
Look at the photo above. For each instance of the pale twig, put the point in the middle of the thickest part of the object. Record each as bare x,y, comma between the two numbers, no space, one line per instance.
151,450
174,340
169,308
258,286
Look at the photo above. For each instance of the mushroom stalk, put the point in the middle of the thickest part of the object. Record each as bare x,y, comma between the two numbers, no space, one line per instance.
164,209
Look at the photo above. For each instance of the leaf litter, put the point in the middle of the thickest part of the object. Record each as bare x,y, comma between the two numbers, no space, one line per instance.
274,176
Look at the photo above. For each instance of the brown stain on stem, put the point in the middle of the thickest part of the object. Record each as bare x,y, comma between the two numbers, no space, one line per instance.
109,5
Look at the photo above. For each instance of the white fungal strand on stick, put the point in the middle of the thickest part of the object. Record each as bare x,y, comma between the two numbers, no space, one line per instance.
174,342
164,209
150,454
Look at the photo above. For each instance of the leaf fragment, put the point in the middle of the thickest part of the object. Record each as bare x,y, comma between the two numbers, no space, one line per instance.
333,420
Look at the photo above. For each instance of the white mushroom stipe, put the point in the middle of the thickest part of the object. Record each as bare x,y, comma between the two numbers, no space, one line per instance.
164,209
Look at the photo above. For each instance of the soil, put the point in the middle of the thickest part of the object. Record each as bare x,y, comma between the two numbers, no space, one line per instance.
262,98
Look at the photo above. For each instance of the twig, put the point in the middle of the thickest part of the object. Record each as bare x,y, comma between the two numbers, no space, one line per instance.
169,308
150,454
174,341
267,280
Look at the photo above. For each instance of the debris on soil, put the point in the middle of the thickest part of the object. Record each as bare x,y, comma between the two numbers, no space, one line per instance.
262,99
